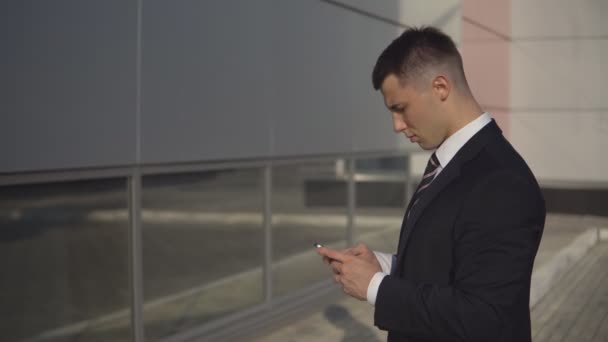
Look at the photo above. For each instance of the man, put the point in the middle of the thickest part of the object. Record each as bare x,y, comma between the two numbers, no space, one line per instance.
471,231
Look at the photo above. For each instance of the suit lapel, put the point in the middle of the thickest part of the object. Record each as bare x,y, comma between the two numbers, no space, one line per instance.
413,212
443,179
450,173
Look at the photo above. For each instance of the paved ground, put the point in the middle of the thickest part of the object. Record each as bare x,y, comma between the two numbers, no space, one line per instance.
576,308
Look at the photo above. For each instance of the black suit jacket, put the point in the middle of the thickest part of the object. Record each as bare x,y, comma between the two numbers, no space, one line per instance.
466,251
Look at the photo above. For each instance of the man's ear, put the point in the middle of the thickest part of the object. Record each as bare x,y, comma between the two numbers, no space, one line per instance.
441,87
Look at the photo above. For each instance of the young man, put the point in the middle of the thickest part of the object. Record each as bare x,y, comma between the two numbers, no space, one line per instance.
471,231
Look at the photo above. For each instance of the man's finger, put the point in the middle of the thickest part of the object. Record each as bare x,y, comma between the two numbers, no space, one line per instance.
349,251
332,254
359,248
336,266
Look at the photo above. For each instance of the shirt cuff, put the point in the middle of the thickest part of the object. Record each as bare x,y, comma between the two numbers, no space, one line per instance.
385,260
374,285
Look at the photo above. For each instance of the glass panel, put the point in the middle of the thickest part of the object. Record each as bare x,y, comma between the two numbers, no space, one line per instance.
64,260
381,202
202,247
308,205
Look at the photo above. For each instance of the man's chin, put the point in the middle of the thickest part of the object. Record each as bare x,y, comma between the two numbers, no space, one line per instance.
427,147
424,146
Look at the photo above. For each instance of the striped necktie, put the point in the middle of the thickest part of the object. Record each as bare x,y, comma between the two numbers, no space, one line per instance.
432,167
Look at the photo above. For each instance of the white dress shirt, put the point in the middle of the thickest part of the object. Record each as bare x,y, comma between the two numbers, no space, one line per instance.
444,154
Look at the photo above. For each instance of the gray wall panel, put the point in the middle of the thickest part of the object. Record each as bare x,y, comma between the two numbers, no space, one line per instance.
364,41
309,76
205,80
324,66
67,91
224,80
445,14
219,80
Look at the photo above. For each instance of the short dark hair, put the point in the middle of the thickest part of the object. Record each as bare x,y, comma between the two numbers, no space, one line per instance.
413,51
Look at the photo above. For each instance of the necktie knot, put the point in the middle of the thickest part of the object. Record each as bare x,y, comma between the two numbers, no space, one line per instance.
432,165
429,174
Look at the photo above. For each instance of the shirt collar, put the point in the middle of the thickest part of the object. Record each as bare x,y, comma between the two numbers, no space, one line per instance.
454,142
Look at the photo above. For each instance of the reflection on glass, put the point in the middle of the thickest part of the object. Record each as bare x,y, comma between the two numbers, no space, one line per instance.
64,261
381,202
308,205
202,247
386,166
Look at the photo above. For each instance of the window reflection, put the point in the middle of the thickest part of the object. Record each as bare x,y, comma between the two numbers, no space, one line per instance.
381,201
308,205
64,261
202,247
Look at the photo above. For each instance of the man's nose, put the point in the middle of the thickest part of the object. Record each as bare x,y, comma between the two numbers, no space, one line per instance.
398,124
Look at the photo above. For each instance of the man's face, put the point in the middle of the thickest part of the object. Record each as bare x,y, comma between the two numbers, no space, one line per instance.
415,112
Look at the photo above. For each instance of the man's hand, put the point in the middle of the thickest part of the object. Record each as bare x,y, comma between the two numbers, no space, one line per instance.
354,268
361,251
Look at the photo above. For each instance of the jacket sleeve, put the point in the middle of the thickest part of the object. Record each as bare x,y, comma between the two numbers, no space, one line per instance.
495,241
